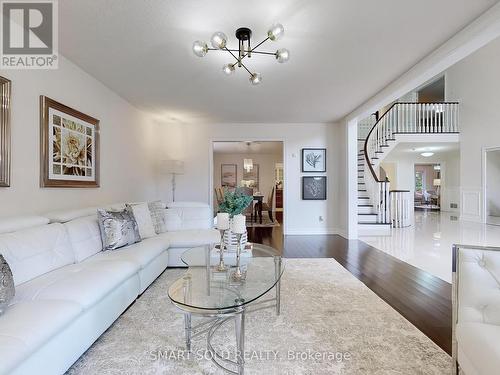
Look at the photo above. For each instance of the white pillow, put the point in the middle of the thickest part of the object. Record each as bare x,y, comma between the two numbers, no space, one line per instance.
143,218
157,210
173,221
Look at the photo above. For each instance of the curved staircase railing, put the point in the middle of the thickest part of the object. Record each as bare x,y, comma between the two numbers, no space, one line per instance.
401,118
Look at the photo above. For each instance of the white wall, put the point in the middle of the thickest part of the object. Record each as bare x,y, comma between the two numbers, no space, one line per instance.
128,146
475,83
266,162
402,167
192,143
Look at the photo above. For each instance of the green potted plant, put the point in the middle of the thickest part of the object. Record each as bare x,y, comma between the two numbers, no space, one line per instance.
234,203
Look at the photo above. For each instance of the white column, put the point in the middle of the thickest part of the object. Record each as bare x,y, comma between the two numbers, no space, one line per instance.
352,178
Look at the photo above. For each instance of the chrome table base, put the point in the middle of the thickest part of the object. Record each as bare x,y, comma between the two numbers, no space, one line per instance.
218,318
215,318
212,325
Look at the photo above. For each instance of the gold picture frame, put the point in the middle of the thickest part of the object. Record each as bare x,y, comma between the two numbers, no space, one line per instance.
5,147
69,146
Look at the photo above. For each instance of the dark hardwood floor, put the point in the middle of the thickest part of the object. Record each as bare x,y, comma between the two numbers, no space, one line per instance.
423,299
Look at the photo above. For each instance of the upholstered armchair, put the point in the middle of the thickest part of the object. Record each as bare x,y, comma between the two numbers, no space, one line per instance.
476,309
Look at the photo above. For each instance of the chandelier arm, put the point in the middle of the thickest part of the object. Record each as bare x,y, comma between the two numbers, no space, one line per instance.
239,61
216,49
258,45
249,72
253,50
232,54
235,50
265,53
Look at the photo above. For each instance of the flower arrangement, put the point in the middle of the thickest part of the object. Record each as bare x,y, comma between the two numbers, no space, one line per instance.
234,202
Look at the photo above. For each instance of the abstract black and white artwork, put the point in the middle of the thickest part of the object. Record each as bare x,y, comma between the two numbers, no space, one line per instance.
314,188
314,160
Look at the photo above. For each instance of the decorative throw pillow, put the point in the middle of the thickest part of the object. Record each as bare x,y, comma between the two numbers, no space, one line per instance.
157,210
7,289
118,228
173,221
143,218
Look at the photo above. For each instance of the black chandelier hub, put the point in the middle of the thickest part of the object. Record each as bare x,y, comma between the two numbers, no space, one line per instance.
243,33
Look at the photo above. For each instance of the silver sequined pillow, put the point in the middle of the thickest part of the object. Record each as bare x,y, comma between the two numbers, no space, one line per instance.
7,289
118,228
157,210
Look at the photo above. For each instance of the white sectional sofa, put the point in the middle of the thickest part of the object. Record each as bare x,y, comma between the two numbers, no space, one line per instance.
68,291
476,309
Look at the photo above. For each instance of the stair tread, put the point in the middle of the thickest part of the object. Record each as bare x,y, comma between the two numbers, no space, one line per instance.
370,214
365,205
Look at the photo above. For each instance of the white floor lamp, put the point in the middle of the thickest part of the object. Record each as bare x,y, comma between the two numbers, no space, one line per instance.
172,167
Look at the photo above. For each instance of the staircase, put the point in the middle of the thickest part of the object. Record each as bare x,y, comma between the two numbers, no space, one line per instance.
403,121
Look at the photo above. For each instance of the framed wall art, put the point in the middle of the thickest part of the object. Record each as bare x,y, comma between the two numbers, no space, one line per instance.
314,160
69,146
229,175
314,188
5,98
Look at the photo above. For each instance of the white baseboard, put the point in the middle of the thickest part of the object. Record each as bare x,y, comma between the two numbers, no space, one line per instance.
473,218
314,231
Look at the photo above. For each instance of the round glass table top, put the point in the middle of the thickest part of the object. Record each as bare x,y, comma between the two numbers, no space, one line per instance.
203,287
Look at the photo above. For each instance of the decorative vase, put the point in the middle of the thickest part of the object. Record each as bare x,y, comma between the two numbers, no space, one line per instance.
6,285
231,240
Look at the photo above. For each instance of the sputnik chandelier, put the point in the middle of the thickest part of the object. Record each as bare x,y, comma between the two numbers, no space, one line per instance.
243,34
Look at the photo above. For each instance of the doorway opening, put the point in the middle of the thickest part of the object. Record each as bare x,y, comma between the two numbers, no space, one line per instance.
254,168
428,187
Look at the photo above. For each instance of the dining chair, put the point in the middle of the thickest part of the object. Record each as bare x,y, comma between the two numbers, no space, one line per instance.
219,194
250,209
268,206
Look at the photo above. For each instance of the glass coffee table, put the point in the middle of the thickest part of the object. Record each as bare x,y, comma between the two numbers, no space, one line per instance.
206,292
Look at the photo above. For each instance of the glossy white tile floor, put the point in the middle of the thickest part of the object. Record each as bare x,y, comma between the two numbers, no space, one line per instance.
427,244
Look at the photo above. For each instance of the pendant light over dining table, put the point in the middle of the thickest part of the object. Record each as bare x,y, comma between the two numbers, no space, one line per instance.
245,50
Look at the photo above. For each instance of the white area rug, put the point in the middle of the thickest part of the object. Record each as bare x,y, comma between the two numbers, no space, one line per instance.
325,310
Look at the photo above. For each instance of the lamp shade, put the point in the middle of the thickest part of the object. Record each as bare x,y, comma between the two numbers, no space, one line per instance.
437,182
171,167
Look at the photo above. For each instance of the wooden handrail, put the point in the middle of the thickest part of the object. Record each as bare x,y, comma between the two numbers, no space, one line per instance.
366,144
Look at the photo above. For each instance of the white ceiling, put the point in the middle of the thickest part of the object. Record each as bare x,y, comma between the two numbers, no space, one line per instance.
342,52
406,149
264,147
